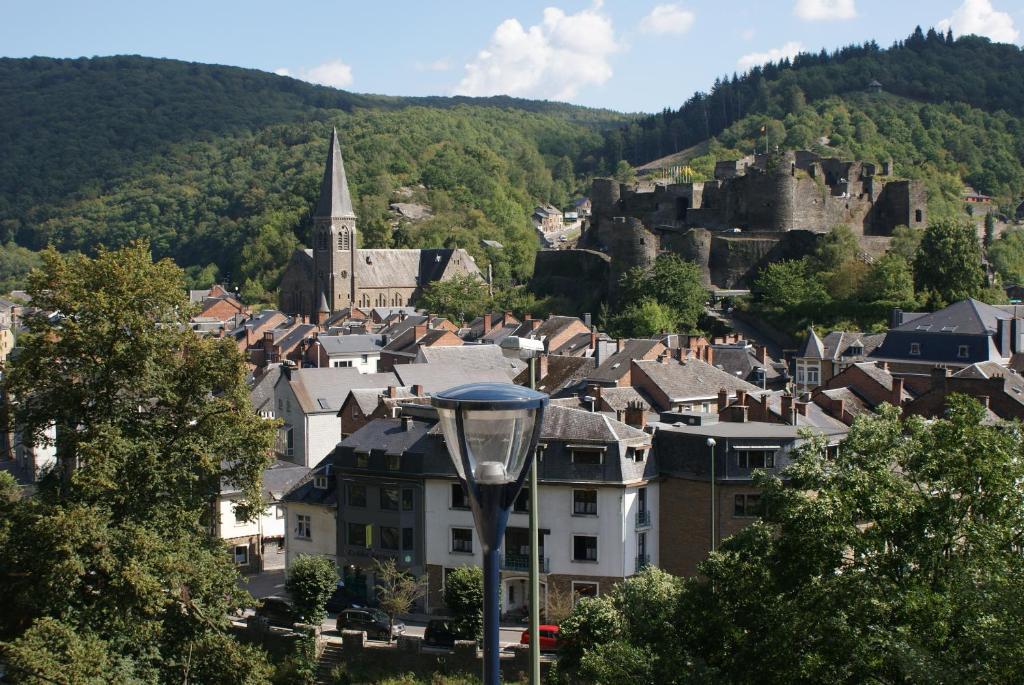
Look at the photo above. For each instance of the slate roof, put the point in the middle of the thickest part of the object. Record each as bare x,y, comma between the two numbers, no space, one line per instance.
837,344
472,358
618,399
323,390
966,317
879,375
1013,384
262,392
351,344
335,200
692,379
852,402
294,336
553,326
367,399
812,347
816,416
564,373
574,344
617,365
742,362
438,376
278,478
306,492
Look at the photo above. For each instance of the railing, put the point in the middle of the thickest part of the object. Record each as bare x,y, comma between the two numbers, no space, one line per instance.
643,518
521,562
642,561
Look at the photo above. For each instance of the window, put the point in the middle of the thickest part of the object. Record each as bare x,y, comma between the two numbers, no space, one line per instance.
963,351
366,358
641,499
522,503
359,534
583,589
389,499
462,540
393,462
408,540
587,457
812,375
915,349
289,442
357,495
584,548
303,527
755,459
362,460
278,512
241,555
320,482
239,517
459,500
342,363
280,404
747,506
407,499
917,216
389,538
584,502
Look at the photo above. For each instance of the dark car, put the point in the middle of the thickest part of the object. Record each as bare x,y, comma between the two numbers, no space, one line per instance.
373,621
439,633
278,611
339,601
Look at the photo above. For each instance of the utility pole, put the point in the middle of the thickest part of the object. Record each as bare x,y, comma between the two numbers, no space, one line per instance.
711,446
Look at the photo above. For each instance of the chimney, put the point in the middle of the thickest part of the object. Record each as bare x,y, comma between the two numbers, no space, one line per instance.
593,342
619,344
895,317
287,366
506,318
664,357
787,409
723,399
635,414
801,407
541,368
392,392
430,320
741,397
587,320
709,354
897,392
939,375
487,323
761,352
419,330
1003,337
407,423
840,406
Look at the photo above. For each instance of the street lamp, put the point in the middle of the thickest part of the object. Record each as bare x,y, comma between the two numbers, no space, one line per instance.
711,446
491,431
529,349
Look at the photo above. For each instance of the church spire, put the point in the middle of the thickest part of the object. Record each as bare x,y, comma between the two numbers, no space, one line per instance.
335,201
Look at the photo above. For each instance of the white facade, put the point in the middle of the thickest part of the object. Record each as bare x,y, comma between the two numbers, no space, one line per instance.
310,529
614,526
313,436
270,524
363,363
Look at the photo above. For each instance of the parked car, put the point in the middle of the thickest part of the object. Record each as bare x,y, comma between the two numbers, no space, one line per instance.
439,633
373,621
278,611
548,638
341,600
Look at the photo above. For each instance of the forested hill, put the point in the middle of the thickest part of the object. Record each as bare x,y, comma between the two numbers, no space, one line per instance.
927,67
219,165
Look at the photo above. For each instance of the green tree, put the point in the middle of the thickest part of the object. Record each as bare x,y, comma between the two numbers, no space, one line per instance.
150,422
673,283
893,560
624,173
644,319
890,279
460,298
311,581
990,230
905,241
948,263
464,597
788,284
1007,256
397,590
838,247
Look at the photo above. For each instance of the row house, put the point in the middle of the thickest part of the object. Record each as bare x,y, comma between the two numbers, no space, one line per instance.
1000,389
598,496
403,347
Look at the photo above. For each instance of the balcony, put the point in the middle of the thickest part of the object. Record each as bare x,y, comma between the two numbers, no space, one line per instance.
521,562
642,561
643,518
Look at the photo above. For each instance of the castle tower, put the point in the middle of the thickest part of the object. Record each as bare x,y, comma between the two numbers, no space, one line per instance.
334,235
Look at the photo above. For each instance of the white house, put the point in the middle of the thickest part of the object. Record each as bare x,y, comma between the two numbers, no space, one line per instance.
358,351
308,400
310,515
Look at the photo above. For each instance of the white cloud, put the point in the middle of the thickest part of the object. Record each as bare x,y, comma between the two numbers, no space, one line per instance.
981,19
553,59
824,10
753,59
443,64
668,19
333,73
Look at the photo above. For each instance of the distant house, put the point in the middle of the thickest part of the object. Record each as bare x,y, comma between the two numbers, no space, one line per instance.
874,86
582,206
311,511
819,359
973,197
358,351
547,218
614,370
691,385
1000,389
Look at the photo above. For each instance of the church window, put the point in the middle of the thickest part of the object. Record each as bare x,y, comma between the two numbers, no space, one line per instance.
382,300
343,239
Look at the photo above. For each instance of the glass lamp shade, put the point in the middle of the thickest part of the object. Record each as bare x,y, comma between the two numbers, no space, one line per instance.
497,426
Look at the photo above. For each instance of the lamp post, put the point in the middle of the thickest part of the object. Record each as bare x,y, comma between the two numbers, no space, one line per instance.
529,349
711,446
491,431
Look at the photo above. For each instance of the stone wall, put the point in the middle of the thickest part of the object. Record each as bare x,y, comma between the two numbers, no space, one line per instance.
582,276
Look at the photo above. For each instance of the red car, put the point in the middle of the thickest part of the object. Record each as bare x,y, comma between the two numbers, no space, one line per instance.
548,638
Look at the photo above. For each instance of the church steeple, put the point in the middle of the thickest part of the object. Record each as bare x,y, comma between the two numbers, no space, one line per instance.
335,201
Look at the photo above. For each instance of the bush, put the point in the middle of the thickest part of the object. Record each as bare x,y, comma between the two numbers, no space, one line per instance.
464,597
310,582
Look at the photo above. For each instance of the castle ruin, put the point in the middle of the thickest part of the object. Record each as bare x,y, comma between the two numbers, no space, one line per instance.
757,210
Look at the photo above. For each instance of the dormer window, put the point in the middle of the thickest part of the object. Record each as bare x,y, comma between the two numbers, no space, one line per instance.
320,482
856,351
963,351
915,349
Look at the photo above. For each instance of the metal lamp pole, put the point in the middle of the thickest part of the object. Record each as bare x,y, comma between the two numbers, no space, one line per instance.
711,444
534,559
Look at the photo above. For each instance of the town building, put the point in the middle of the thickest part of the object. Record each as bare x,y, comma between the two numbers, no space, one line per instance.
819,359
358,351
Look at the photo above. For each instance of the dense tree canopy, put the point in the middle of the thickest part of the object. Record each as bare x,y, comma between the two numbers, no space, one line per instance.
947,266
665,298
150,421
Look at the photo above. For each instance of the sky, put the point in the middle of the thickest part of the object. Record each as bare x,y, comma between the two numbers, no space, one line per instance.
627,55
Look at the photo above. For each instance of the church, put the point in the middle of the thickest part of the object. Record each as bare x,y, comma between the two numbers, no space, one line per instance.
336,274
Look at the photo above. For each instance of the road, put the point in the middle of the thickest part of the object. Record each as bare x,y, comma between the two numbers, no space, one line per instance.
271,583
